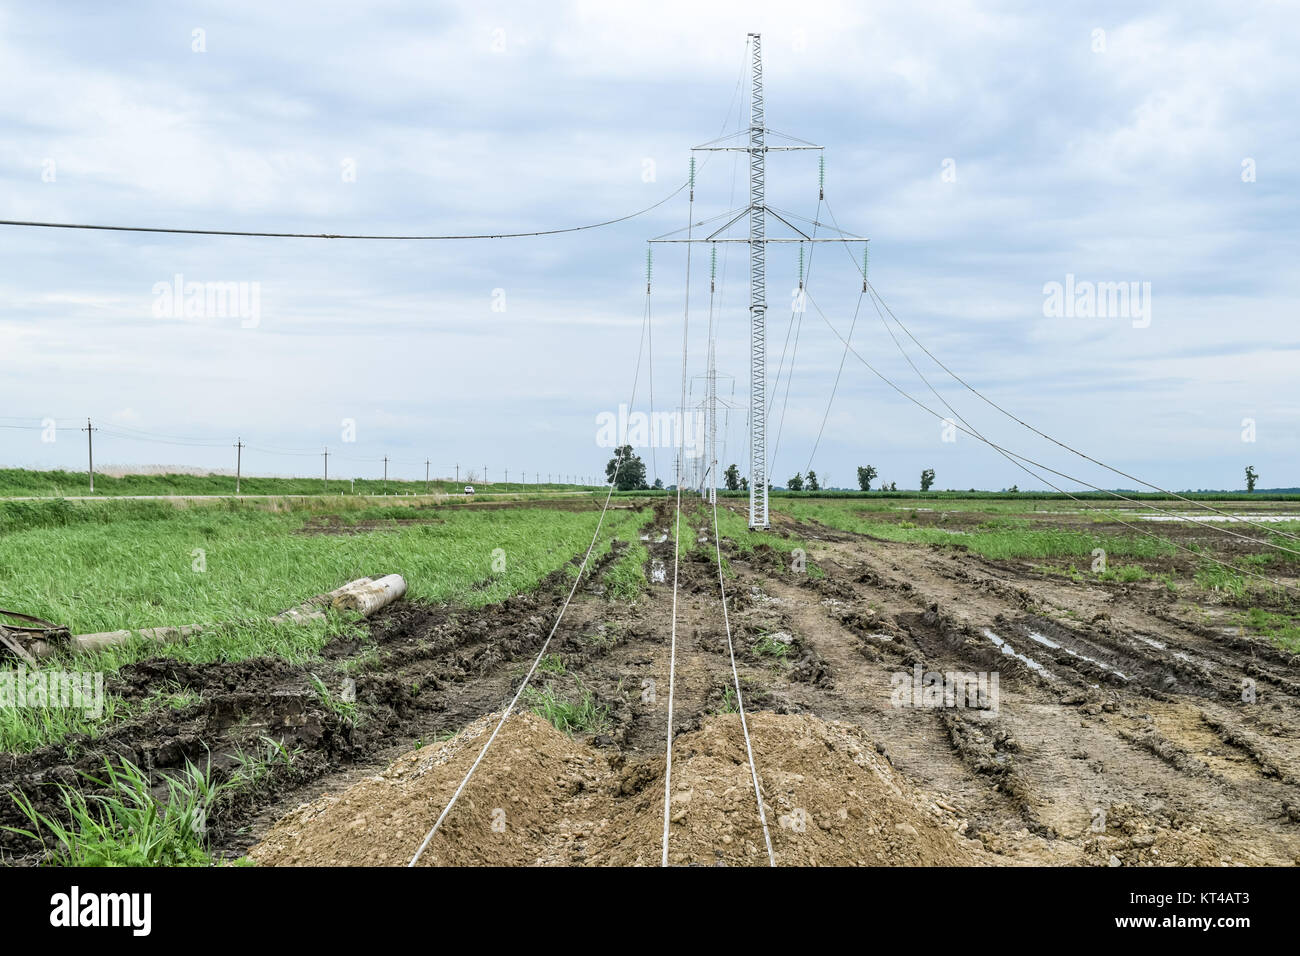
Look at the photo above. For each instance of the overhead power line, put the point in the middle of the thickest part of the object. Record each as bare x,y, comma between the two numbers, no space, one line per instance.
254,234
1020,421
1007,452
169,230
1033,474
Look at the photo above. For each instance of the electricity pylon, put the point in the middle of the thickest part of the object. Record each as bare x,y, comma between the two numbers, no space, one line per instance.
757,212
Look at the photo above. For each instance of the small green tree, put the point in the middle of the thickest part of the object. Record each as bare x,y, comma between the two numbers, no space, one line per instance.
927,479
812,482
658,485
731,477
628,476
866,474
1252,476
744,484
795,483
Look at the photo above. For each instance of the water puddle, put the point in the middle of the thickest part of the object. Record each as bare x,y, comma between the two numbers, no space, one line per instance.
1010,651
1048,642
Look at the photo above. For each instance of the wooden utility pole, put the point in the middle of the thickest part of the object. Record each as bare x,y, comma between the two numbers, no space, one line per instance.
90,451
385,474
239,461
426,476
327,467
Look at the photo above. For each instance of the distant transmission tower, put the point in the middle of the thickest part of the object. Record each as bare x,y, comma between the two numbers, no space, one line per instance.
757,212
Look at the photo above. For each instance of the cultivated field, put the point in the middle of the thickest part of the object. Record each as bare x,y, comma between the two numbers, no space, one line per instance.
1137,707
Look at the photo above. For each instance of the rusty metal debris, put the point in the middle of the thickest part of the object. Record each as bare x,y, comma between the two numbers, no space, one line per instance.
12,636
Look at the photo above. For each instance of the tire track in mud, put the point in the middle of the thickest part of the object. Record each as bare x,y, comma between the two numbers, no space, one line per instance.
1100,718
1171,658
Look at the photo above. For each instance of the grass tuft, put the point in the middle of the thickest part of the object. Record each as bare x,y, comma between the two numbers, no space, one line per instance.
583,715
127,826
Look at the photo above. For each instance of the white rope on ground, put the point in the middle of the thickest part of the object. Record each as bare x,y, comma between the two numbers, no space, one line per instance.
677,541
545,644
740,703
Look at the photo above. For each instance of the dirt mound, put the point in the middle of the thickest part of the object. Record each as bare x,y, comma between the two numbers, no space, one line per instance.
830,799
543,798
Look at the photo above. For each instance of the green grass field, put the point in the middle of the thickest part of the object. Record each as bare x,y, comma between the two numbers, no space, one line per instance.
18,483
1004,536
100,566
97,567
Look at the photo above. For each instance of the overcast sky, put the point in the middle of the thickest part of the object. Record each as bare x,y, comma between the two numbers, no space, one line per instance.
987,149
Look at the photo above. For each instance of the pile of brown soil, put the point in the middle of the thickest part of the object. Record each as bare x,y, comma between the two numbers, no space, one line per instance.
540,797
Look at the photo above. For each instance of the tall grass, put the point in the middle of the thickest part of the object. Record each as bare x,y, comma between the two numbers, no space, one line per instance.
1281,628
128,825
232,568
23,729
74,565
626,578
16,482
566,714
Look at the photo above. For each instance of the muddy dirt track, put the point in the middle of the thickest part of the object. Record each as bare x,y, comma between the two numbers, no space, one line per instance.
1116,733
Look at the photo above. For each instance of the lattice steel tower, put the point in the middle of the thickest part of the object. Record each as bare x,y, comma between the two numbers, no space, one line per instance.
757,211
757,295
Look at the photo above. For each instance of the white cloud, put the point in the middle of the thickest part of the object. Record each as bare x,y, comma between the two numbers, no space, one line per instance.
1122,165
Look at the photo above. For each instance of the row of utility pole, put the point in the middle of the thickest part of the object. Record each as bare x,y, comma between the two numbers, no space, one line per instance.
240,445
